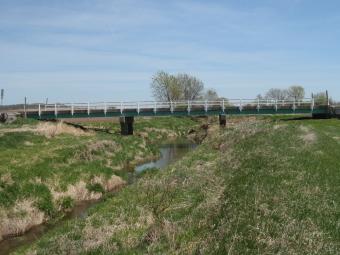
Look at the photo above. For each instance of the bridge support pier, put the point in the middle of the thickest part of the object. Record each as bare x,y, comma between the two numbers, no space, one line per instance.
223,120
126,125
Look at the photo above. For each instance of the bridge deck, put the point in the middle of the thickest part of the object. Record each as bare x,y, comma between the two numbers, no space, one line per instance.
178,108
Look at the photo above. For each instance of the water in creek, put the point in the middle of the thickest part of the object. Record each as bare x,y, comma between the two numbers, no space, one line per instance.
169,154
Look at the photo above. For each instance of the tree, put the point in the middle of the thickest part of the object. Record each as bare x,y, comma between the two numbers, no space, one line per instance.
322,98
191,86
296,92
165,87
277,94
211,95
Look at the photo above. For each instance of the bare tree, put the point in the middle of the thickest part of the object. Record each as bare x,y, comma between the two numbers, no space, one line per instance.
296,92
211,95
165,87
277,94
191,86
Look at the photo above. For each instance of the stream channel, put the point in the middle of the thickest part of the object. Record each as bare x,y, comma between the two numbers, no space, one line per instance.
170,153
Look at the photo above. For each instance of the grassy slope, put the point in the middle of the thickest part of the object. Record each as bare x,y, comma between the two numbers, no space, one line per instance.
30,163
260,187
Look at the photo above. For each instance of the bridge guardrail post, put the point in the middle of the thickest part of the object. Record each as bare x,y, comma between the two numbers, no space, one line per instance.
72,109
88,108
328,100
171,107
25,108
138,108
258,105
155,108
55,110
121,107
223,106
206,106
276,105
105,108
189,107
240,107
39,110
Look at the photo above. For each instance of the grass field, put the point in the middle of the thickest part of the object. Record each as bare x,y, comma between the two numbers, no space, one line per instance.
47,167
260,186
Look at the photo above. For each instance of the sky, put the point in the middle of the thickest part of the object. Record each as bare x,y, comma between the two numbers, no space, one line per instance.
108,50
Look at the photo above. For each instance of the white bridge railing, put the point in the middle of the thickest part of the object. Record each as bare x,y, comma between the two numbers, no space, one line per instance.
172,106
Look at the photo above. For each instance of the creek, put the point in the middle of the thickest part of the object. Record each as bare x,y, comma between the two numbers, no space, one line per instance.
169,153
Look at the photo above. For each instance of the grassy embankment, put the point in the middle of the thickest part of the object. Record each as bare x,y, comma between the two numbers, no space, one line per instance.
257,187
45,168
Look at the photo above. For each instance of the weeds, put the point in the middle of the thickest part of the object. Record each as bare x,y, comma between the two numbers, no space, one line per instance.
54,165
252,188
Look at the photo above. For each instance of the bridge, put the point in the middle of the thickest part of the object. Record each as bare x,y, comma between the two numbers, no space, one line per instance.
128,110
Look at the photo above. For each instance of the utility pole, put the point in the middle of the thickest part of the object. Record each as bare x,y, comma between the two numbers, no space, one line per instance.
46,103
2,96
25,106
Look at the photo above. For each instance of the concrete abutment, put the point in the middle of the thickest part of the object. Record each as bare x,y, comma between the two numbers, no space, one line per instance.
223,120
126,125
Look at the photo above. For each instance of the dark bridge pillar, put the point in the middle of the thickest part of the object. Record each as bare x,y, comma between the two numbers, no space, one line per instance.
126,125
223,120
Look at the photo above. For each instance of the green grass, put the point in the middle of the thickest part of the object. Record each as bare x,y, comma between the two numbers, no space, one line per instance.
31,164
257,187
19,123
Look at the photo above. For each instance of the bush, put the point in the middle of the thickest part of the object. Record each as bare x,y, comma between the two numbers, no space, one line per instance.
95,187
65,203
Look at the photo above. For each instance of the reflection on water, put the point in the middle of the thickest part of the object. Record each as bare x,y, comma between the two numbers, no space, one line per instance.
169,154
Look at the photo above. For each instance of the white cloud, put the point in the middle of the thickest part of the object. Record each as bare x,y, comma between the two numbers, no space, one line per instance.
110,49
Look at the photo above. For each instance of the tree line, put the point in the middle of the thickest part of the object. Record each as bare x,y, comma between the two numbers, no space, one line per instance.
169,87
295,92
182,86
292,93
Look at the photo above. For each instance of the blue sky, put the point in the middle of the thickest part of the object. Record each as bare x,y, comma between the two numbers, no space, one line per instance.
109,50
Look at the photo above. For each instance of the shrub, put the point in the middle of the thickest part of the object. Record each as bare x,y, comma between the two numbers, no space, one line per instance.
95,187
65,203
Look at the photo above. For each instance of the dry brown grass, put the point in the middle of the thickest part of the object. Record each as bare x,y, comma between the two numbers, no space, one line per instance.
28,143
169,133
6,178
93,148
23,216
308,136
241,192
109,184
48,129
280,126
79,191
97,236
336,138
24,128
